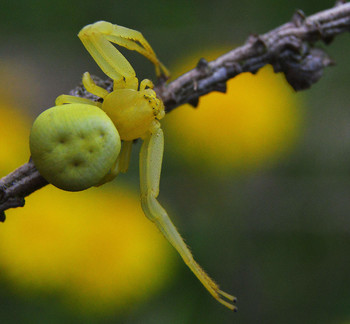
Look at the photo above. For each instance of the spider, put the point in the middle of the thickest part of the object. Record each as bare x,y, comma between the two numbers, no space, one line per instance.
135,111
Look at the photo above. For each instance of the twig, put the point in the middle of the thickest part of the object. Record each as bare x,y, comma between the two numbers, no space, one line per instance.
289,49
17,185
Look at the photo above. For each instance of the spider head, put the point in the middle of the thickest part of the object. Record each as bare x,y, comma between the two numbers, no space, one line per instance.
155,102
159,111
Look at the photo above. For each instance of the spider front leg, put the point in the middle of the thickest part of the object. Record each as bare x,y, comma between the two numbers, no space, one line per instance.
131,39
98,38
151,156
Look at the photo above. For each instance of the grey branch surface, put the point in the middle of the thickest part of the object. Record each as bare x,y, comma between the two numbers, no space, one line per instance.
289,48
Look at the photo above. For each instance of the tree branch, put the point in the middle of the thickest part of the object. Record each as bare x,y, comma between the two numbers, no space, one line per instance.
289,49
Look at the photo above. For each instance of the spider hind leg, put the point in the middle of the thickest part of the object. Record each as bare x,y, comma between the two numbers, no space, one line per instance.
150,167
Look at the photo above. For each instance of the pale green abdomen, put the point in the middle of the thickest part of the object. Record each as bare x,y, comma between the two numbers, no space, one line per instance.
74,146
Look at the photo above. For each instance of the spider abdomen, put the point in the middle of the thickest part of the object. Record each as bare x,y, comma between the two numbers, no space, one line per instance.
74,146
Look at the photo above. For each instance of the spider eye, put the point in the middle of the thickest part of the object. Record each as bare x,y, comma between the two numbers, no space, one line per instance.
74,146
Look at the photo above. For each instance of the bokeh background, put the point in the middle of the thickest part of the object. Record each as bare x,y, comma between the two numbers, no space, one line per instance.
257,180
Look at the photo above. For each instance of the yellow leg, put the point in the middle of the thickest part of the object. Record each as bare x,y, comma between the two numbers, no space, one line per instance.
111,174
109,59
66,99
124,156
131,83
120,165
92,87
131,39
98,38
150,167
146,84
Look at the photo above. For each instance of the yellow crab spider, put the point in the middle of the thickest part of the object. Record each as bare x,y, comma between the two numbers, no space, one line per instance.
135,112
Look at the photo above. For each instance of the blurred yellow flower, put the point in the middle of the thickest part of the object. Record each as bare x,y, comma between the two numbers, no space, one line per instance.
96,247
14,125
253,124
14,134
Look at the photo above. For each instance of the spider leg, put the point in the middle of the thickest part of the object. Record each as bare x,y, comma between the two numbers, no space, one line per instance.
98,38
92,87
124,156
67,99
131,83
132,39
109,59
114,171
146,83
120,165
150,168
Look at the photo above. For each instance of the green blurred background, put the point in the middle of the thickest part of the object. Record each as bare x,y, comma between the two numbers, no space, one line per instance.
276,234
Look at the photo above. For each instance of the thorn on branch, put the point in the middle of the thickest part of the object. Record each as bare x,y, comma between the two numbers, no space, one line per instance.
339,3
298,18
318,31
203,66
220,87
258,45
233,69
253,65
194,102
